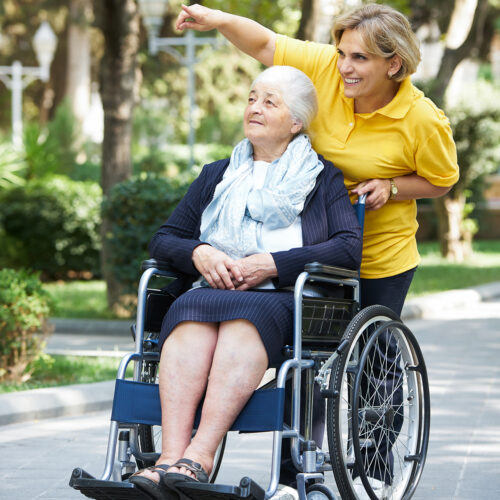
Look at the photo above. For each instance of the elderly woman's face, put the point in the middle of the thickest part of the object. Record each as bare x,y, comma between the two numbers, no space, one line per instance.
267,121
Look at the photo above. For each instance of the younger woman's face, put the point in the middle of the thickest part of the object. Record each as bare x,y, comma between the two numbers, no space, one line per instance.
365,76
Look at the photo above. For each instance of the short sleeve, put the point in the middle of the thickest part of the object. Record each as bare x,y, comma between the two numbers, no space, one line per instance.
436,157
310,57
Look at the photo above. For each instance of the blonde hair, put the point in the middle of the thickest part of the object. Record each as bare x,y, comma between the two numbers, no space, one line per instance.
297,90
386,33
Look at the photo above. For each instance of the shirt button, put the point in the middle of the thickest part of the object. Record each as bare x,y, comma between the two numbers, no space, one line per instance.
351,124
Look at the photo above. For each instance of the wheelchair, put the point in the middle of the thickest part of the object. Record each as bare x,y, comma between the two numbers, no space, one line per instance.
369,370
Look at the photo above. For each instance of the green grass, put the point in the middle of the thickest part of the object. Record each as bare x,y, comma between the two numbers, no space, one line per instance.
50,371
87,299
79,299
435,274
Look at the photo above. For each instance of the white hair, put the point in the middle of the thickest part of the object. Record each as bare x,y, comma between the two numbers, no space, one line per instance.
297,90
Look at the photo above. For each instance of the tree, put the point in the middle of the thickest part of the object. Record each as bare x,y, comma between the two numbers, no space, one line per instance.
466,35
78,58
317,19
119,23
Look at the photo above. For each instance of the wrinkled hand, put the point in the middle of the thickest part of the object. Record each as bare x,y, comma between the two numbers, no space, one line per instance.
220,270
197,17
255,269
379,191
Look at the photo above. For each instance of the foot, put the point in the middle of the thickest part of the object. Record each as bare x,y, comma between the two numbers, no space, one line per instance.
149,480
189,468
153,473
380,488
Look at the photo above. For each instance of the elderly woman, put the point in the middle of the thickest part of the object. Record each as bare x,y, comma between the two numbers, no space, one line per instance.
241,236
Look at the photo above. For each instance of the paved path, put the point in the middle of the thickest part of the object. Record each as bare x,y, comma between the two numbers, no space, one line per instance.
462,351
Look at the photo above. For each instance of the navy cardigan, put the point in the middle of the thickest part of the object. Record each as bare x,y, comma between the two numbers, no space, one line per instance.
330,230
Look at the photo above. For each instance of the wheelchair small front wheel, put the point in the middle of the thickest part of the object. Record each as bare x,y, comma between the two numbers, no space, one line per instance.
319,491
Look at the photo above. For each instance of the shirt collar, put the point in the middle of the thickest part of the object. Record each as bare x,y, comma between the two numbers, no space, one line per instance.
397,108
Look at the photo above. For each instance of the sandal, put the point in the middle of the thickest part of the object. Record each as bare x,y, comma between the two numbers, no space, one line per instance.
154,489
200,474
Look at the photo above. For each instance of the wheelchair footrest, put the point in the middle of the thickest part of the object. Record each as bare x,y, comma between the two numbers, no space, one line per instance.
104,490
247,490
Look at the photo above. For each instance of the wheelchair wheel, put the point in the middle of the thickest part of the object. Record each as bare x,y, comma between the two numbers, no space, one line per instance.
149,436
375,418
379,417
319,491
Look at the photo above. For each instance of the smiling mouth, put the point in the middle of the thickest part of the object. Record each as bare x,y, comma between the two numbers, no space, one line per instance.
351,81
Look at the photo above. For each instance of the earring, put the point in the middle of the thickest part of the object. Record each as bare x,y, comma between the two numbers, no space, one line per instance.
389,75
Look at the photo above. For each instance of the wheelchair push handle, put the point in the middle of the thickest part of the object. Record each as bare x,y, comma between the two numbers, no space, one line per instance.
359,207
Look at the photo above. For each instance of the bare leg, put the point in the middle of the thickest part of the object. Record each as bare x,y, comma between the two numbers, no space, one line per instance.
186,359
239,363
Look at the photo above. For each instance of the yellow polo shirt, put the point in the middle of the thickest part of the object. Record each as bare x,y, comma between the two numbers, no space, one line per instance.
408,135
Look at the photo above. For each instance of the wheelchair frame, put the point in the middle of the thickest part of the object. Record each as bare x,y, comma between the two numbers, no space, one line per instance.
264,412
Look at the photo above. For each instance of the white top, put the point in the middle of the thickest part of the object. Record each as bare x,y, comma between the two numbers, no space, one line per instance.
283,238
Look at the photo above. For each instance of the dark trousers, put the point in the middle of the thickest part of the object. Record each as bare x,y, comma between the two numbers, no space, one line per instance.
390,292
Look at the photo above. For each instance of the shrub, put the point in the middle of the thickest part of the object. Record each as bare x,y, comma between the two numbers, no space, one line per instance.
52,225
51,150
24,307
136,208
11,167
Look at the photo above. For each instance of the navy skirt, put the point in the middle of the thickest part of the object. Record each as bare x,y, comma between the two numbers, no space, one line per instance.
271,312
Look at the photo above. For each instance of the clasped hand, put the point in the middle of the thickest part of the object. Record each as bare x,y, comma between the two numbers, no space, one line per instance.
225,273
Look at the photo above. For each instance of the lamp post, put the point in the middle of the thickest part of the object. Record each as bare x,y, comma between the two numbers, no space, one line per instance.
17,77
152,12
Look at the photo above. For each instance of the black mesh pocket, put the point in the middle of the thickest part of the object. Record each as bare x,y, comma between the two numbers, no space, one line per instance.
325,320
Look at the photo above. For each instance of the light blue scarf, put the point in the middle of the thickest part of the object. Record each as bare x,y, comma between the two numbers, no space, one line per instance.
233,219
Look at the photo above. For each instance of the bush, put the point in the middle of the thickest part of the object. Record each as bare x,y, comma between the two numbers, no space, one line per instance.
51,150
136,208
52,225
11,167
24,308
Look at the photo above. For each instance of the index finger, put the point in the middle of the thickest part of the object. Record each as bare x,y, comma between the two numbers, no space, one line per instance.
183,15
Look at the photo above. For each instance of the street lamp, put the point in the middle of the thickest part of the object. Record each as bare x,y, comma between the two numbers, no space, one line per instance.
16,77
152,12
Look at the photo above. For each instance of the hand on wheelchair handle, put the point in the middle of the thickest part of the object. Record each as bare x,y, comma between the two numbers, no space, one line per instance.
378,192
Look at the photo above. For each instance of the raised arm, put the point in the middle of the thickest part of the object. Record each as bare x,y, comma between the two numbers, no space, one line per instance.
247,35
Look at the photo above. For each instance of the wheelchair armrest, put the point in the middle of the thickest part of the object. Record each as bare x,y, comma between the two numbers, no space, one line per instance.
341,272
161,265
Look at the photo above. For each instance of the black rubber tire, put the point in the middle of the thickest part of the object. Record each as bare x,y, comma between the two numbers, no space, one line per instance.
345,365
325,492
375,417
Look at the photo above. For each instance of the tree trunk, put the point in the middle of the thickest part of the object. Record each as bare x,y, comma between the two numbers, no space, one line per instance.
464,41
317,19
119,21
78,58
455,240
464,38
